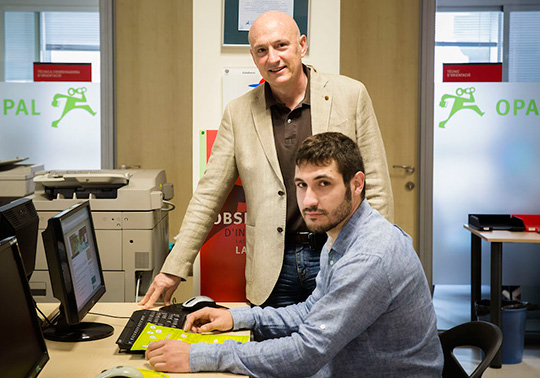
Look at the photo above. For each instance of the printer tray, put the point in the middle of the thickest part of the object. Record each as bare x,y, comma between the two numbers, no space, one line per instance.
530,221
490,222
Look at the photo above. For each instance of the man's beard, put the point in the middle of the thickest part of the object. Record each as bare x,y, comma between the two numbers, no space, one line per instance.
335,217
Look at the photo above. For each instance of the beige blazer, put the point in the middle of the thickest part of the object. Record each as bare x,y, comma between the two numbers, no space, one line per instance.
245,146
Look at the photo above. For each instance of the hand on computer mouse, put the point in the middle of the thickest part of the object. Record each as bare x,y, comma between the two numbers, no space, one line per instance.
120,372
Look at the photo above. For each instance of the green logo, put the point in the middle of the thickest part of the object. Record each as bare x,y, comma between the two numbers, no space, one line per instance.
463,100
73,100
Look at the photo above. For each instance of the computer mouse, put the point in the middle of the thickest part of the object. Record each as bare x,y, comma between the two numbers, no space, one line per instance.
191,305
120,372
198,302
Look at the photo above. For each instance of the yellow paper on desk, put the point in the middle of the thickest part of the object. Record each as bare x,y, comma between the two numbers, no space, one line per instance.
152,333
147,373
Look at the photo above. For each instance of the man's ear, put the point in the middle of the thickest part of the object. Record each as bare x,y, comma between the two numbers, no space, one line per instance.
358,182
303,45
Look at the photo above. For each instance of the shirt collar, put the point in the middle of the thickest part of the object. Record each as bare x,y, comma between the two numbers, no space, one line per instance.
271,100
349,232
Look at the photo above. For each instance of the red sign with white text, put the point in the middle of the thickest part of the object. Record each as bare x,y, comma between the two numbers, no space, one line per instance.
472,72
223,254
63,72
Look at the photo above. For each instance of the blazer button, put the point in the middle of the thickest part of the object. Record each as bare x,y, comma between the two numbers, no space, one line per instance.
280,230
281,193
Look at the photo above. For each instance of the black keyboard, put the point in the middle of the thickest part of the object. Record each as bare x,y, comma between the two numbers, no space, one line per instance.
138,321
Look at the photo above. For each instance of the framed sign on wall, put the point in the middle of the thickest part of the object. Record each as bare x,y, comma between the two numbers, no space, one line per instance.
238,15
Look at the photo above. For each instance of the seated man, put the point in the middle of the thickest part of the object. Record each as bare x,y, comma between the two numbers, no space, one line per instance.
371,312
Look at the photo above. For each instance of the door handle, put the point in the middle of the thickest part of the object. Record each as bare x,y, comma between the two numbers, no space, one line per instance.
408,168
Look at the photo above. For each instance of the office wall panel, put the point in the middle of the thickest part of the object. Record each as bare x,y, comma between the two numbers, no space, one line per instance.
154,55
380,42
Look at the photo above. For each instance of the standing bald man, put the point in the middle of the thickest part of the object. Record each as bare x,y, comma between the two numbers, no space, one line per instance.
259,135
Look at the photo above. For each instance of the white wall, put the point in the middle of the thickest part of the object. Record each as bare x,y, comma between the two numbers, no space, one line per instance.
209,58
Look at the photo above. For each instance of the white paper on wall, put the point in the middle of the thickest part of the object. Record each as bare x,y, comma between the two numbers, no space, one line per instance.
238,81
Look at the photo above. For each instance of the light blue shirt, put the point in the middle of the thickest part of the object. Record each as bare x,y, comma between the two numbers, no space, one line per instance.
370,315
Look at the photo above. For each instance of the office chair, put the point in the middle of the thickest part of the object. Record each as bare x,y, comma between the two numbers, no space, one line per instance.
483,335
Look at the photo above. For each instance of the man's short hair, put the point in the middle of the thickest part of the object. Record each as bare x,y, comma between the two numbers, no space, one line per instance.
322,149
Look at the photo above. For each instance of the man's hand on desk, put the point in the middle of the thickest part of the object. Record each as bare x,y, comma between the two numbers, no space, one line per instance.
169,355
173,355
163,283
209,319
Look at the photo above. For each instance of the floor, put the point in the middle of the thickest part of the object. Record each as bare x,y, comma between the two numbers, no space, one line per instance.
452,306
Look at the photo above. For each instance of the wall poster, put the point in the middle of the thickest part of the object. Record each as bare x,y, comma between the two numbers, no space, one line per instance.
223,254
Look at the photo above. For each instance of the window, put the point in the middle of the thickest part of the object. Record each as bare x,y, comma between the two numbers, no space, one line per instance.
487,140
56,37
21,41
57,124
524,47
467,37
477,37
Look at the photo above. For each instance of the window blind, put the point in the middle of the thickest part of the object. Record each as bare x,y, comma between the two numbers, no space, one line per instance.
71,31
20,48
524,47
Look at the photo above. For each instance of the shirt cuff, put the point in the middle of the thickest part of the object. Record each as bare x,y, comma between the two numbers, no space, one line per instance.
243,318
202,357
216,357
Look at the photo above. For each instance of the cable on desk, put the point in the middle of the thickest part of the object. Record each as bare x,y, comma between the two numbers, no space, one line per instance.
171,205
42,314
139,278
109,316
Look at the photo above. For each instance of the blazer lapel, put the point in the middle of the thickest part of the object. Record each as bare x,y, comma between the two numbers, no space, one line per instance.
321,102
262,119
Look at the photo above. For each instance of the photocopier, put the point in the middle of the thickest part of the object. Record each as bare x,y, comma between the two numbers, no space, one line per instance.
16,179
130,214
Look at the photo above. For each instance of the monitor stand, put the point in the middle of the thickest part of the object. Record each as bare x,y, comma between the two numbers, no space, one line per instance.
79,332
84,331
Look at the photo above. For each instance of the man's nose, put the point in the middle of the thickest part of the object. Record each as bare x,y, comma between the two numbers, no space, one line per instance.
272,55
310,199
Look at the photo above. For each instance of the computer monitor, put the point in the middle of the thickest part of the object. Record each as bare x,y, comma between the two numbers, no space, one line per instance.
20,219
76,275
23,352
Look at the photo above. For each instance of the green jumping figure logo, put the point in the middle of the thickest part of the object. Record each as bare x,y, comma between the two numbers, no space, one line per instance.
75,96
460,102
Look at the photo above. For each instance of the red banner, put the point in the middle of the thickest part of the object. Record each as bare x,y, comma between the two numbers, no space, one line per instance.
63,72
472,72
223,255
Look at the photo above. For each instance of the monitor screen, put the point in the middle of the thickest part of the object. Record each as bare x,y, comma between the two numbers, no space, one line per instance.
24,352
20,219
75,272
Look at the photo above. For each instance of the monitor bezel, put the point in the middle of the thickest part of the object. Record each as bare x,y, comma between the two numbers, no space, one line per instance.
57,257
11,244
27,251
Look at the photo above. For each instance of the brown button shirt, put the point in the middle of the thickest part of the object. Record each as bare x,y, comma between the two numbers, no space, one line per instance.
291,127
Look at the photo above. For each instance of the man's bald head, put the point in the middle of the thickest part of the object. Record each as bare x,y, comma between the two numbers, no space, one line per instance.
277,49
273,19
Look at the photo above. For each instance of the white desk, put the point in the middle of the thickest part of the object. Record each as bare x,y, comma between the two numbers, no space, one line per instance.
87,359
496,239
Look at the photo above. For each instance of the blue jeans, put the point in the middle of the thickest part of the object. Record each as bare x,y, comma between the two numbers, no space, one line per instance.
297,278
